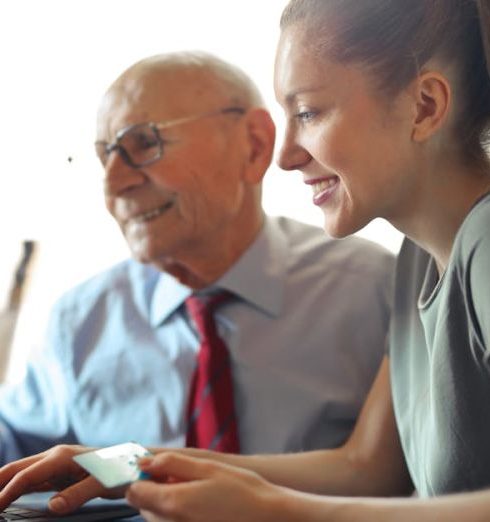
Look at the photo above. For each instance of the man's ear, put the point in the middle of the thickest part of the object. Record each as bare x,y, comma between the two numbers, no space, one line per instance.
432,94
261,135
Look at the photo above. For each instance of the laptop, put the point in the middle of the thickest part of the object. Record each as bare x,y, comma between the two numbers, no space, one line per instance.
33,508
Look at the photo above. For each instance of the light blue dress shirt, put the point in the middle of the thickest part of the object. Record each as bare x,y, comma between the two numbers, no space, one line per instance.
306,334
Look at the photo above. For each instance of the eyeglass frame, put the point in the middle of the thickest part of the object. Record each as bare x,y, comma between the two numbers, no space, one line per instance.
156,127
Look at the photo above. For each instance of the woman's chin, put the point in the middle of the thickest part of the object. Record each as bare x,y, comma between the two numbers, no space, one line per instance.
340,228
346,223
334,230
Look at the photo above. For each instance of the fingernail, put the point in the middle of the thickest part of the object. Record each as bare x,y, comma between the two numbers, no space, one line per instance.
144,462
57,504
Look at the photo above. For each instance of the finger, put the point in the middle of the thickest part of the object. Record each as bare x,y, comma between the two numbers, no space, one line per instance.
45,486
24,481
178,466
151,517
10,470
43,470
74,496
150,496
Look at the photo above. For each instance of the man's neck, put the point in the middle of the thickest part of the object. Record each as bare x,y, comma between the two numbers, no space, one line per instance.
198,270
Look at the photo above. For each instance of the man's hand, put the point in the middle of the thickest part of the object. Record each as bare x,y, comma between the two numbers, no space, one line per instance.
56,470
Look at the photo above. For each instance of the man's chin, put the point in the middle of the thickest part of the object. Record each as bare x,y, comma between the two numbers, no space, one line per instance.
162,261
158,261
141,246
142,255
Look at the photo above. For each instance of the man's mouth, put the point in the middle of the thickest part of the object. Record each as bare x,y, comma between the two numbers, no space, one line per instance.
152,214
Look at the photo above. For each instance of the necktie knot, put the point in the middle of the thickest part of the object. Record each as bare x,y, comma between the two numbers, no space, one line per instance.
201,309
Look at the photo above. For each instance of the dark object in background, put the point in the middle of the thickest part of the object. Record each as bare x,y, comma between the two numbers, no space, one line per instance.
8,316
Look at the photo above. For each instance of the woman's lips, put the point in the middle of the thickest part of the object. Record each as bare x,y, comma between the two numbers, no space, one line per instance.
323,188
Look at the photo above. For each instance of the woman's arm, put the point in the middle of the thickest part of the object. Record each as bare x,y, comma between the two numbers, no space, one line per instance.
214,492
371,463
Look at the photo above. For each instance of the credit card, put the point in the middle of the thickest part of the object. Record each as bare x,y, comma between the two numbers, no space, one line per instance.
115,465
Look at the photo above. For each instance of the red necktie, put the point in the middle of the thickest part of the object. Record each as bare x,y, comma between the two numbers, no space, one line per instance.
211,409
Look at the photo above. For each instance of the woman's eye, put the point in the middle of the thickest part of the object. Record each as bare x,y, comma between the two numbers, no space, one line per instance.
305,116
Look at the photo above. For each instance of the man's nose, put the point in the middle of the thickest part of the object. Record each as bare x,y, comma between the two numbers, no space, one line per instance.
119,176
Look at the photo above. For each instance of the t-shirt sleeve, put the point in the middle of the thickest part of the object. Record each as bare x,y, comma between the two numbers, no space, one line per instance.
479,279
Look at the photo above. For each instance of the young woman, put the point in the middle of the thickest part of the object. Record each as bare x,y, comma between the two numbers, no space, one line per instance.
388,111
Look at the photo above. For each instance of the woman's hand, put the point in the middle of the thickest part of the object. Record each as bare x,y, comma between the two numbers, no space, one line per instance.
53,469
191,489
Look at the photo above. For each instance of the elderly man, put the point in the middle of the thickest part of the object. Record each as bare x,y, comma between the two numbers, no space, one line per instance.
185,142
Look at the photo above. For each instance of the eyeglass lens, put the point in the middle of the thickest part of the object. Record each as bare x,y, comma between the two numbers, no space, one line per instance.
138,145
141,143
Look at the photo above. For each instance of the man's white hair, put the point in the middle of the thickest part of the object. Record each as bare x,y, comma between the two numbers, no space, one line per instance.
232,80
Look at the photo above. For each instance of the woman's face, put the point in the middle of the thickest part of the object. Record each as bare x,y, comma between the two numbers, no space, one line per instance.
353,147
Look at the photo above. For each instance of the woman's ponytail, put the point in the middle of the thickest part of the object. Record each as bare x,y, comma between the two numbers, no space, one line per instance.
484,15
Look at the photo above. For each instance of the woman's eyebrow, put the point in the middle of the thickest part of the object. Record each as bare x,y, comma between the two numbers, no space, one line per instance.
291,97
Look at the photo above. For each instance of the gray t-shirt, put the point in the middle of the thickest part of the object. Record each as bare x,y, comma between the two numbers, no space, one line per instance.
440,368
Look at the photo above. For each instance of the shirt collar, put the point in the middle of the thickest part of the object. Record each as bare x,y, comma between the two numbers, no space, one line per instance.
258,277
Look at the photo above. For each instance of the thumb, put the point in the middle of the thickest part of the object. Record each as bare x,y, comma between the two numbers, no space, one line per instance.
178,467
149,496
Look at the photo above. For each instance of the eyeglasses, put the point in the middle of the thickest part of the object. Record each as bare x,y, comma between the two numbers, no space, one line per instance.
141,144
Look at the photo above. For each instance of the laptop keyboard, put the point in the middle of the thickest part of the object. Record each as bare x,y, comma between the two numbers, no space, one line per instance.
33,508
15,513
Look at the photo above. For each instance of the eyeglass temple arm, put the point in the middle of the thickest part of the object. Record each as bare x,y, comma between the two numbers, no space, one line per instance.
226,110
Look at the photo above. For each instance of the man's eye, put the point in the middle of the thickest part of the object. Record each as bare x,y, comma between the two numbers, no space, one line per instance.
145,140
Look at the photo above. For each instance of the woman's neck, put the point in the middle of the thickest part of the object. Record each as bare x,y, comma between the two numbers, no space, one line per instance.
438,213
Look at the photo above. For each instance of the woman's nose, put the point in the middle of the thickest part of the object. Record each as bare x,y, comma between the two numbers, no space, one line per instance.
292,156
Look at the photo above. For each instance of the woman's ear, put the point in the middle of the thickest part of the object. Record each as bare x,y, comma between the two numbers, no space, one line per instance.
261,135
432,94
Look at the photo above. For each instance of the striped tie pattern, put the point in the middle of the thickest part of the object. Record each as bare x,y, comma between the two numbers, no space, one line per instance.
211,422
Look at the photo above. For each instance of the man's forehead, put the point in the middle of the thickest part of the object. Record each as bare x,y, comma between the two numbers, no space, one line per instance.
156,95
173,89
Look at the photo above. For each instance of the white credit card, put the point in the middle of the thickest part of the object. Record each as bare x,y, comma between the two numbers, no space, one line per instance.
116,465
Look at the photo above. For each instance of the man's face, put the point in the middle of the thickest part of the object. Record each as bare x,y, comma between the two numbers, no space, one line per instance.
188,202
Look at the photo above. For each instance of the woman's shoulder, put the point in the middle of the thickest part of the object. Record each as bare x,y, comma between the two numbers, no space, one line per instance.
474,234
